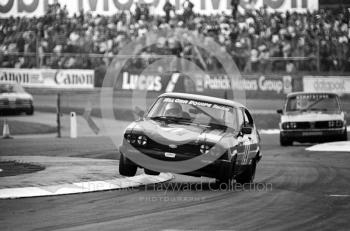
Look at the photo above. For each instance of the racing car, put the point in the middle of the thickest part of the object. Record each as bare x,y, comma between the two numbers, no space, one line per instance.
312,117
13,98
181,127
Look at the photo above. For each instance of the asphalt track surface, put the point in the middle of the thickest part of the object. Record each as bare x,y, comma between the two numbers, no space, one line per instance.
303,191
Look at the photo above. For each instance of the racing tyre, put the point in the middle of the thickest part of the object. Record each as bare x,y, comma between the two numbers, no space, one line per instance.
126,167
248,175
150,172
30,111
285,142
345,136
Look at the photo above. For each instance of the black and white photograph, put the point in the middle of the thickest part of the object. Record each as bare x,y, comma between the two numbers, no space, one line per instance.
174,115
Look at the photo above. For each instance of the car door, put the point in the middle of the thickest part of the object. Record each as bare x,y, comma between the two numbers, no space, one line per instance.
249,141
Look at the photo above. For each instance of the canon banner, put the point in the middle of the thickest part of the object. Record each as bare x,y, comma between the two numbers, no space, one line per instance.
49,78
37,8
336,84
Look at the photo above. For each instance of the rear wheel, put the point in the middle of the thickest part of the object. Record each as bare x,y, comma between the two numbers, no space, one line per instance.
126,167
285,141
248,175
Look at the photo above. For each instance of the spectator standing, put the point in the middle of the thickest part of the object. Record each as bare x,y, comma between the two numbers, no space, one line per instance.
188,10
234,5
168,7
137,15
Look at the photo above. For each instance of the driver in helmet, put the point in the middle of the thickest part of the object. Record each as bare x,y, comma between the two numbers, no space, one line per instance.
173,109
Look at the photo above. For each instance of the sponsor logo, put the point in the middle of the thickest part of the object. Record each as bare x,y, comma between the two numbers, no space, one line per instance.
74,77
20,76
109,7
270,85
141,82
173,146
336,84
262,83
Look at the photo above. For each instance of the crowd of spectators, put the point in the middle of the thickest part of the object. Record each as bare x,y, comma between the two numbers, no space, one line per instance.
258,40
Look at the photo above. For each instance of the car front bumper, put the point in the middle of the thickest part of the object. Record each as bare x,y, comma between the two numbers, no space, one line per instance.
313,134
219,168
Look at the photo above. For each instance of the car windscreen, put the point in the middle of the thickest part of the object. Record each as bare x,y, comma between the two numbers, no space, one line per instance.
10,88
193,111
313,102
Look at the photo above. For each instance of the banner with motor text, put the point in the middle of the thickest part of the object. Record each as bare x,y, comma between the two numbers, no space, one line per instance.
255,86
36,8
49,78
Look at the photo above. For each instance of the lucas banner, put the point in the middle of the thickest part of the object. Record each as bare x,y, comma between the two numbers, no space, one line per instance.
49,78
211,84
37,8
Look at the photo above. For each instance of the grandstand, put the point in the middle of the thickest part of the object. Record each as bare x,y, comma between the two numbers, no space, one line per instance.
258,40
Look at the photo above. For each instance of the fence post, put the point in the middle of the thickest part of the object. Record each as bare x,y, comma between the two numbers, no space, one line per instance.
59,115
318,59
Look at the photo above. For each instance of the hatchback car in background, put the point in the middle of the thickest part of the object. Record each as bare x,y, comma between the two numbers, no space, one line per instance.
13,98
312,117
184,126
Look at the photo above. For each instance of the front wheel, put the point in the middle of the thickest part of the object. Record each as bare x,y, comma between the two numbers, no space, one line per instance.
248,175
345,136
30,111
285,141
151,172
126,167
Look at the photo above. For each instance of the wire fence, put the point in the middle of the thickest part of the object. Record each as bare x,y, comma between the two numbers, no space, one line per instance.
94,61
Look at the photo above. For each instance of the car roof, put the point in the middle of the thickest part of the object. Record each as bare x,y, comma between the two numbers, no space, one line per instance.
303,93
209,99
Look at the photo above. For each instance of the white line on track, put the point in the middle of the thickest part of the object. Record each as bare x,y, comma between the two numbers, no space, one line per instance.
0,170
339,195
343,146
83,187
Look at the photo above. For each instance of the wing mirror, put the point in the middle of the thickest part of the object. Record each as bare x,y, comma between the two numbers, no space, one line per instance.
247,130
280,111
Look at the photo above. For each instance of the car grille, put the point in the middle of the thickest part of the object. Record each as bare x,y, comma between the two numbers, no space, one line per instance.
315,125
23,102
303,125
189,148
322,124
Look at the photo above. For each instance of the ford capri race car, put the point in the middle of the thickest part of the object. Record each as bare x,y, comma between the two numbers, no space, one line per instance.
312,117
182,127
13,98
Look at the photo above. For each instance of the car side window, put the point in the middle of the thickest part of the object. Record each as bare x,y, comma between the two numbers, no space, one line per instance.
248,119
240,117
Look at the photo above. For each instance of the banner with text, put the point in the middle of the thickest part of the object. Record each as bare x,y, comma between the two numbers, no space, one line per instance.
335,84
218,85
35,8
49,78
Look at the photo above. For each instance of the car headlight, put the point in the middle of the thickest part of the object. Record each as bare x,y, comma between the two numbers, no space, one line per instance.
335,124
289,125
142,140
139,140
204,149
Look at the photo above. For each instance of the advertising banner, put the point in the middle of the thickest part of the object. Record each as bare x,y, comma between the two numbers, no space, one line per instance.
335,84
255,86
36,8
49,78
